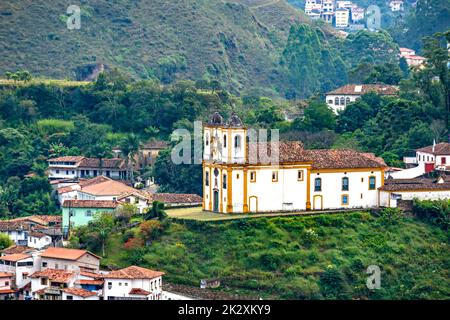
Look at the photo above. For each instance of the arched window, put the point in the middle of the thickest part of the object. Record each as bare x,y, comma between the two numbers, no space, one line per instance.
318,184
237,142
336,101
224,181
345,184
224,140
207,140
342,101
347,100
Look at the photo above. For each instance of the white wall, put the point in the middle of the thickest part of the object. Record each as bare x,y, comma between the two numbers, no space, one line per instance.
331,99
359,194
122,287
409,173
39,242
410,195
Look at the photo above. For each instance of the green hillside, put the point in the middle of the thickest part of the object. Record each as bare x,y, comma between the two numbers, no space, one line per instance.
237,42
322,257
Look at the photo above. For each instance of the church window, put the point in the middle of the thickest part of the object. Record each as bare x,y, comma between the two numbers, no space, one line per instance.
224,141
253,176
345,184
224,181
372,183
344,200
300,175
318,184
206,178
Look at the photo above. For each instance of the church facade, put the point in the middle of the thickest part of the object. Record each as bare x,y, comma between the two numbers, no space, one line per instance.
300,180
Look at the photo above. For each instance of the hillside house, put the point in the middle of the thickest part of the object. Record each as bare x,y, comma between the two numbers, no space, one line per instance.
49,284
78,213
133,283
70,260
338,99
21,265
342,18
6,286
70,167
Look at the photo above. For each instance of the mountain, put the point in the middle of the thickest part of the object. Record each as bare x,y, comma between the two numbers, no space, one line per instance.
237,42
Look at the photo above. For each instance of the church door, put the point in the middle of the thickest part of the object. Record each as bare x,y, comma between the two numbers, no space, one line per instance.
216,201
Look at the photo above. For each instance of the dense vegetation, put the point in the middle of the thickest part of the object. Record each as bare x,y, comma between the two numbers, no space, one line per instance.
323,257
237,42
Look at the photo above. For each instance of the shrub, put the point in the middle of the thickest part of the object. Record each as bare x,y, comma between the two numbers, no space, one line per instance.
309,236
332,284
435,212
391,215
5,241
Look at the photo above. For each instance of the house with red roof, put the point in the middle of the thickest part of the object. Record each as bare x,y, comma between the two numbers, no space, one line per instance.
73,260
133,283
7,291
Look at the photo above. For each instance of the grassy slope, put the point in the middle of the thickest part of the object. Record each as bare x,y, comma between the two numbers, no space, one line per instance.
239,40
271,258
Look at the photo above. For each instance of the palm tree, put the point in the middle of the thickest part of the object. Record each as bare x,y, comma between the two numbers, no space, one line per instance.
101,151
130,147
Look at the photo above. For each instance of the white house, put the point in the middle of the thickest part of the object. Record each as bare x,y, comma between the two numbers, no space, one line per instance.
133,283
342,18
22,265
238,178
70,167
38,240
73,260
436,156
49,283
6,285
338,99
418,188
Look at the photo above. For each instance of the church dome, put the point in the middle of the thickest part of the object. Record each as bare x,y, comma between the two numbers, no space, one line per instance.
235,121
216,119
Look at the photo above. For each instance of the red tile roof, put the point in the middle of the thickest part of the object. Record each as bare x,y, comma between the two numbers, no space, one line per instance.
115,163
91,282
6,275
109,204
360,89
293,151
54,275
139,292
91,275
17,249
15,257
173,198
65,254
156,145
67,159
442,148
134,272
7,291
79,292
424,184
108,187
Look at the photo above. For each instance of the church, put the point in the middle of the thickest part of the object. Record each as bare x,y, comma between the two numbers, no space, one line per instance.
300,179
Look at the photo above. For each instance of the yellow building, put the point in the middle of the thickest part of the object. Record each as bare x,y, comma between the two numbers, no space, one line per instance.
241,177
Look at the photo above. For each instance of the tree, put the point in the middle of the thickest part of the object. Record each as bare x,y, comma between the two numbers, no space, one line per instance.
5,241
150,230
102,225
130,147
437,54
101,151
157,211
319,116
124,213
